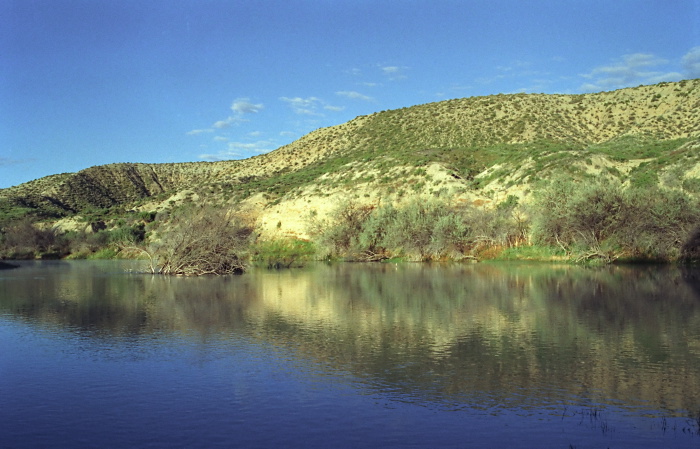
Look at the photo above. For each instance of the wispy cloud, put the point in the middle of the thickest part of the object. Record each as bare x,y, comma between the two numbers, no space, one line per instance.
215,157
195,132
244,106
261,146
6,161
516,66
310,105
630,70
354,95
240,107
691,63
228,122
239,150
304,106
394,72
455,90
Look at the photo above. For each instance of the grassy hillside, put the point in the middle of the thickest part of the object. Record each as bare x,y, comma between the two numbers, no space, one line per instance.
471,149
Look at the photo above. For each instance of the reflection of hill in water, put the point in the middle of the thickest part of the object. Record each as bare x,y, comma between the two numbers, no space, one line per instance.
485,332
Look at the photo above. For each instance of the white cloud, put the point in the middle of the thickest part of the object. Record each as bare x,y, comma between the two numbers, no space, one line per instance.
231,120
239,150
250,146
194,132
222,156
240,107
209,157
394,72
630,70
244,106
354,95
304,106
220,139
516,69
6,161
334,108
691,63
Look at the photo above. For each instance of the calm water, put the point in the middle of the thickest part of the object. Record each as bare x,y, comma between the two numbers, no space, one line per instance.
350,355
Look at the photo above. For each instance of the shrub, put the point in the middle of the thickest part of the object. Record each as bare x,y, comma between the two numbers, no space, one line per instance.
340,234
23,240
200,242
128,235
411,231
419,230
658,223
604,221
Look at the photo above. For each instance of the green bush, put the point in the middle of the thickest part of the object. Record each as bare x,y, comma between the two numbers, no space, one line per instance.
419,230
604,221
339,235
22,239
411,231
128,235
658,223
283,253
691,185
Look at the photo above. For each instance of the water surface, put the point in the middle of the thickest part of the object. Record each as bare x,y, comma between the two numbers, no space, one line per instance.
352,355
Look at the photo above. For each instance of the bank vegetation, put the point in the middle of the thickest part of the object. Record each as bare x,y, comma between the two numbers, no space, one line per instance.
597,222
592,178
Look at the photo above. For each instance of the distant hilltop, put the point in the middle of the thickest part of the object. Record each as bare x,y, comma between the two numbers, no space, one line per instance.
478,149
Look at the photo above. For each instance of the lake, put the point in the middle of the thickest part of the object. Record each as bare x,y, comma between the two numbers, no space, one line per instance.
95,354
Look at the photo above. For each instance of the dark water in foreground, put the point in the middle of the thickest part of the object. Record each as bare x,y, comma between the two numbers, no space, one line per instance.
350,355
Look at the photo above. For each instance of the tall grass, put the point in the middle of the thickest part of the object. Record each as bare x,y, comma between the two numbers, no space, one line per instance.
283,253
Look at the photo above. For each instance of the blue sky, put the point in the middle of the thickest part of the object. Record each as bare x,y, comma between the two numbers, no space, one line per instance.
91,82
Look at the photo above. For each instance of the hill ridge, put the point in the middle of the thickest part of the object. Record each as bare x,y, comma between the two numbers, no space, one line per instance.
467,137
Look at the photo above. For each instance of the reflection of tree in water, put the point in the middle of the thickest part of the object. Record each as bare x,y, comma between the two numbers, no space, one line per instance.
691,277
486,333
82,297
690,250
490,330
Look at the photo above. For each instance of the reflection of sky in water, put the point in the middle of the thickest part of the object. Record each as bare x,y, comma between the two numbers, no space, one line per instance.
379,353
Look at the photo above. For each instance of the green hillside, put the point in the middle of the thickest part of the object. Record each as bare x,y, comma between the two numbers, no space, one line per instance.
479,140
479,150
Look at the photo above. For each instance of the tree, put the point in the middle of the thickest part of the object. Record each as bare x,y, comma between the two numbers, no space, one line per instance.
22,239
201,242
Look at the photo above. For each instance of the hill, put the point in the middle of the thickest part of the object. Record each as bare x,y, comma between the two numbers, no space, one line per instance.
481,149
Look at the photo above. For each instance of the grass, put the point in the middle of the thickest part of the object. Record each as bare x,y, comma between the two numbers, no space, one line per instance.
283,253
532,253
626,148
104,253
